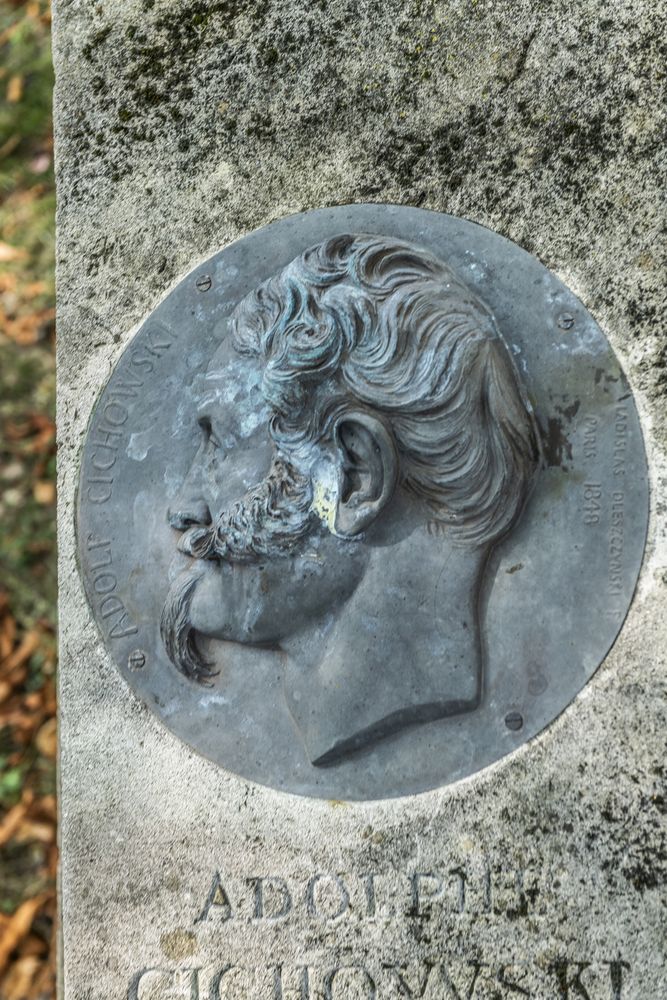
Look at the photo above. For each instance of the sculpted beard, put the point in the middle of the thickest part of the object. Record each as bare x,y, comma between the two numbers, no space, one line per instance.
268,522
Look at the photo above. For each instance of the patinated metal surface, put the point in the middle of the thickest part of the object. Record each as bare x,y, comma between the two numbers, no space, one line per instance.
363,503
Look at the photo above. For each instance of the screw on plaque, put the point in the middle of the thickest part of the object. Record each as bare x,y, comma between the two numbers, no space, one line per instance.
514,721
204,282
136,660
565,321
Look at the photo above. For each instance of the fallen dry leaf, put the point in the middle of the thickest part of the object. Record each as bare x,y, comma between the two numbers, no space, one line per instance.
33,945
46,806
7,635
23,722
8,281
14,680
43,833
52,862
9,146
19,925
14,89
8,253
28,645
44,985
18,982
46,740
44,437
14,818
44,491
24,330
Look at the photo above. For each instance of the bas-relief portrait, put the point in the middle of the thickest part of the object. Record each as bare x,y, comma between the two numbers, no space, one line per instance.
365,442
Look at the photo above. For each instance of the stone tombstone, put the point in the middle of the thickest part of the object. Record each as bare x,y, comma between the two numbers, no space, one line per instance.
362,556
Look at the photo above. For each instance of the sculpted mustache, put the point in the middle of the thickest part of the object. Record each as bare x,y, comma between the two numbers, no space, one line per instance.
268,521
177,633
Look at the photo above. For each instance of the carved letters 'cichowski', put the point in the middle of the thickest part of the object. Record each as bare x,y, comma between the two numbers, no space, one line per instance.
364,437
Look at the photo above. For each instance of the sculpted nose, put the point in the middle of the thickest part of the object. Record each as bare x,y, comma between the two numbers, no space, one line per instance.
187,515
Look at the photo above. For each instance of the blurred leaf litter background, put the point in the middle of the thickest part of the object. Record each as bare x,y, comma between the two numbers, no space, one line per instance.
28,852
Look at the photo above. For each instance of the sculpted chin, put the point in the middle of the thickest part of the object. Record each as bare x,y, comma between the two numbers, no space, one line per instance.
365,442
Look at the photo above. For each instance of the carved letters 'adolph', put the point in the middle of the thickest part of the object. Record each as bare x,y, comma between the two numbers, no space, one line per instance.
352,492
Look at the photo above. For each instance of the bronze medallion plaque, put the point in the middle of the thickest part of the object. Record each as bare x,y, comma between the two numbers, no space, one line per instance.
363,504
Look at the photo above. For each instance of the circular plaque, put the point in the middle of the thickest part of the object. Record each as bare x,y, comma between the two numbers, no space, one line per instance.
363,503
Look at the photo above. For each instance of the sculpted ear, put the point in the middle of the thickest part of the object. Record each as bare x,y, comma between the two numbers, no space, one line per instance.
369,471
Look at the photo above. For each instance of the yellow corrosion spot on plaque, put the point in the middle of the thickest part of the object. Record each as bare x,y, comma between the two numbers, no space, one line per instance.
179,944
324,504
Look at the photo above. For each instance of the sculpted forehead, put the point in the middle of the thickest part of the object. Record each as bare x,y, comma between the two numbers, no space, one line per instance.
229,393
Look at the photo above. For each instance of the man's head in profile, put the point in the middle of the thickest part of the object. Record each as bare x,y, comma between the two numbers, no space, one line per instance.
365,443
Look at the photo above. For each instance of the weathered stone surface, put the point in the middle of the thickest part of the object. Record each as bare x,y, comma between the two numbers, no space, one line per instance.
181,126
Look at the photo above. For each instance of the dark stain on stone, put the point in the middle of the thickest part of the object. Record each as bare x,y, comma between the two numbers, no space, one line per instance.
95,41
601,375
556,445
569,412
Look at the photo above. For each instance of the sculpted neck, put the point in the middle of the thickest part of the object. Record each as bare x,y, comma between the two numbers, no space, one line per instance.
404,649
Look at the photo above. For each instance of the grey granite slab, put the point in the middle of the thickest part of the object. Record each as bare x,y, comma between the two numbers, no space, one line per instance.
180,127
